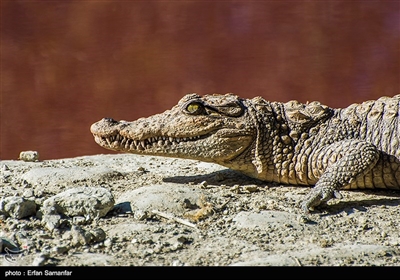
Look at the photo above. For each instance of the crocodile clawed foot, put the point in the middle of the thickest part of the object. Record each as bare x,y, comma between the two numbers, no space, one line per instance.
317,196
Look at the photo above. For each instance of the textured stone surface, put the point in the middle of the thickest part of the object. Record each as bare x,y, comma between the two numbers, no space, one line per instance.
165,197
49,176
90,202
17,207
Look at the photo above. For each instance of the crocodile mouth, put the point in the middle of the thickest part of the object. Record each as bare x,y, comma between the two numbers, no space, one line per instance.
120,142
212,143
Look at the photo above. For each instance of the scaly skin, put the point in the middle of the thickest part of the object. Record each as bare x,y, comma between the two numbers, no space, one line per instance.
291,143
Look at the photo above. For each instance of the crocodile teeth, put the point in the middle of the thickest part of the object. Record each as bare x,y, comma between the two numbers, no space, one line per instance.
141,145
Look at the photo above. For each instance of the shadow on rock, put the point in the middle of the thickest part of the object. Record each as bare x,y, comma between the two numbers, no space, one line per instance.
226,177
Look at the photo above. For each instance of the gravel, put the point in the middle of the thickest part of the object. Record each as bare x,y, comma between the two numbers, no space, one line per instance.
123,210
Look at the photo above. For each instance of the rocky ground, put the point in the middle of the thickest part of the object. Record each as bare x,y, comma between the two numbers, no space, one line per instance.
123,210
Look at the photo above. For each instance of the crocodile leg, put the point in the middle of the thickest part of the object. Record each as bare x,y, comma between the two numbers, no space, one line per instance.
354,158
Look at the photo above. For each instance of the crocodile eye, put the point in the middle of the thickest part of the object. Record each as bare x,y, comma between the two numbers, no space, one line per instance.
195,108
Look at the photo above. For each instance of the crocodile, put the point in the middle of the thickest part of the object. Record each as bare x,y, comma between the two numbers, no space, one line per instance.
309,144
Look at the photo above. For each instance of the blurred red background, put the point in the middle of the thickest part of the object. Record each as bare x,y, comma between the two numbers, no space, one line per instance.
67,64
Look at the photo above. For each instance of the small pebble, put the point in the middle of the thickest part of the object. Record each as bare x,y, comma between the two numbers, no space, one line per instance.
30,156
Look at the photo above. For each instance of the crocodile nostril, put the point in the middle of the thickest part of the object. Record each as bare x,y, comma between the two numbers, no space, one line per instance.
111,120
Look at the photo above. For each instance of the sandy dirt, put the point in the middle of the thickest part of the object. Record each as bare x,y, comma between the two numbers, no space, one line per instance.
171,212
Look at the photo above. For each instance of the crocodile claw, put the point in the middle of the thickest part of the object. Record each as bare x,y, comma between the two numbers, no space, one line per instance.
317,196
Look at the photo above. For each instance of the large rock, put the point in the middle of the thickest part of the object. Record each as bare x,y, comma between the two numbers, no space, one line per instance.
50,176
90,202
17,207
168,197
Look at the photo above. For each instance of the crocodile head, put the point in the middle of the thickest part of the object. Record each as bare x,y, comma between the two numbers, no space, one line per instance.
213,128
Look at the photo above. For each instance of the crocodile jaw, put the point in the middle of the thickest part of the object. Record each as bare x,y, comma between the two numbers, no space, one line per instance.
158,136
